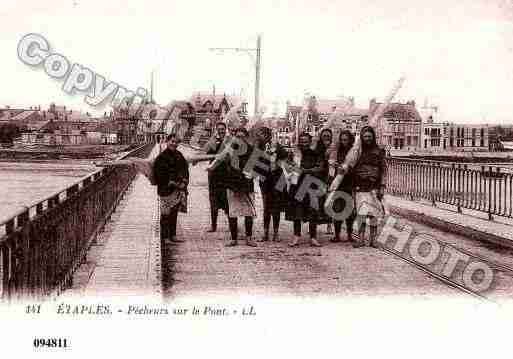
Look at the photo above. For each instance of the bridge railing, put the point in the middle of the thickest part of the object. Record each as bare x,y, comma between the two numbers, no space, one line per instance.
42,245
481,188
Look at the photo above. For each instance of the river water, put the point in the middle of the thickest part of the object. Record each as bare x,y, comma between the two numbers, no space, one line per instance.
22,184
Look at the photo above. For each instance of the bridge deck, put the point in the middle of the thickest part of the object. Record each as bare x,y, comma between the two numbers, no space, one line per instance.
125,260
203,266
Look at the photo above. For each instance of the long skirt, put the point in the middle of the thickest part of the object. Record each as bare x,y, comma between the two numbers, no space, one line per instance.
300,210
274,201
241,204
217,193
368,204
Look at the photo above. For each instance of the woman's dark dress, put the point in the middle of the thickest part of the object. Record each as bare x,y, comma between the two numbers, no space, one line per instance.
274,201
303,210
323,154
346,186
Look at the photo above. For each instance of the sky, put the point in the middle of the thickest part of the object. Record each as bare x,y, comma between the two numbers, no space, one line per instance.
458,55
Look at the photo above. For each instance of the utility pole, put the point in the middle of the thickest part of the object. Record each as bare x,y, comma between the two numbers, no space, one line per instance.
151,89
258,51
257,75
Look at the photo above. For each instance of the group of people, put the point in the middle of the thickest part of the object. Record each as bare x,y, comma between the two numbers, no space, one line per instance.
232,191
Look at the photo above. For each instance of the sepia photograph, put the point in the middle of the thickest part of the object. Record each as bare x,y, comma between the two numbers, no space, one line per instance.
279,178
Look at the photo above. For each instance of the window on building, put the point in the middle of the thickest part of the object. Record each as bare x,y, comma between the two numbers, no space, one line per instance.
481,144
451,142
473,142
474,131
425,143
482,132
435,142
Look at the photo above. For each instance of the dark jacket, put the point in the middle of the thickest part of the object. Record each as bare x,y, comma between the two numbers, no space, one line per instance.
369,171
312,164
170,166
271,177
315,162
234,178
347,182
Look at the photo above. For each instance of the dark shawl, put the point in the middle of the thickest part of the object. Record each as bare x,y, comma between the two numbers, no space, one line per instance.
170,166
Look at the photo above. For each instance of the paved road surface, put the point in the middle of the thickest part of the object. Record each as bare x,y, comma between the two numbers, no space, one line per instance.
203,266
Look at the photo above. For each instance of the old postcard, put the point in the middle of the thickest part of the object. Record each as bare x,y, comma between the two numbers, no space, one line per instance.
256,178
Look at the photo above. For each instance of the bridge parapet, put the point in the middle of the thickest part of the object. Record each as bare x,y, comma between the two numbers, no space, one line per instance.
487,189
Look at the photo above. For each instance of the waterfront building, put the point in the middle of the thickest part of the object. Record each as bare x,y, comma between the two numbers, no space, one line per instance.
439,136
401,125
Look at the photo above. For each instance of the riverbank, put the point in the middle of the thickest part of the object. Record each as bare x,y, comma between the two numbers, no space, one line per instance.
483,157
38,153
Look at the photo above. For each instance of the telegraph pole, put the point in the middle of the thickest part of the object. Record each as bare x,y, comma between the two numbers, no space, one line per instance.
258,51
257,75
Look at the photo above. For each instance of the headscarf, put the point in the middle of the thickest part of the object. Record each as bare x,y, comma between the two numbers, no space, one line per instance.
371,130
342,151
320,146
243,130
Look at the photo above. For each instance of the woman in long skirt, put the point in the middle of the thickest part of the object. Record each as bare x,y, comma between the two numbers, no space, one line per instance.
171,172
369,176
346,140
240,192
304,210
274,201
322,149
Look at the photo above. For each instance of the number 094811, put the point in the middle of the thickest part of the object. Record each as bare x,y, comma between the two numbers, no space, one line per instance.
50,343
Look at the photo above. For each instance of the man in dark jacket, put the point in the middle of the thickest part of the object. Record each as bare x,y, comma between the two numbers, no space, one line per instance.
216,189
171,172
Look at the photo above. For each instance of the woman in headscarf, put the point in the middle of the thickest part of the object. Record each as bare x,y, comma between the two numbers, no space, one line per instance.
322,149
303,210
171,174
240,191
345,142
369,176
274,201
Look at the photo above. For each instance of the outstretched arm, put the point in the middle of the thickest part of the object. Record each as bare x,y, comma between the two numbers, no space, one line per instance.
199,158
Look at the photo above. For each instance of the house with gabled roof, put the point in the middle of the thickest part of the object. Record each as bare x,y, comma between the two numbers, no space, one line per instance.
401,124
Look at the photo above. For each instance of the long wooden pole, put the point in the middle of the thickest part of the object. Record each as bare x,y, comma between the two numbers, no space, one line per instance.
376,122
